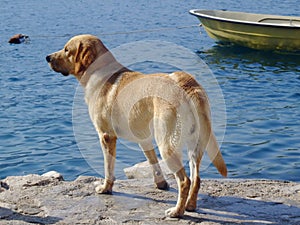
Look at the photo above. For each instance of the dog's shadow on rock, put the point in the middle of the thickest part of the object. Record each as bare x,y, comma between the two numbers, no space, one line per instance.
211,209
235,210
142,198
10,215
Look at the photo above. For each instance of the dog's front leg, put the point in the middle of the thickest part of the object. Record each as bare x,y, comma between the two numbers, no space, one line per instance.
108,144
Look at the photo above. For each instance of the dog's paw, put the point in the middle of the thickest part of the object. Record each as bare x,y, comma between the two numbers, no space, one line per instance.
163,185
102,189
191,206
174,212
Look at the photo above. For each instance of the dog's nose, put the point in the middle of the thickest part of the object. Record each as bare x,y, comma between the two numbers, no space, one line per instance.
48,58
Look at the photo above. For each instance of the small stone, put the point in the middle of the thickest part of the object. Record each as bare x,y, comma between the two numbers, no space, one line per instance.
29,209
53,174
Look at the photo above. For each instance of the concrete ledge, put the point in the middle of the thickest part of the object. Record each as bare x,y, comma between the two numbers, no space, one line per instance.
47,199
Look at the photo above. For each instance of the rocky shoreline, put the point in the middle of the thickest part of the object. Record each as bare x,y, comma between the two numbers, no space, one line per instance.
48,199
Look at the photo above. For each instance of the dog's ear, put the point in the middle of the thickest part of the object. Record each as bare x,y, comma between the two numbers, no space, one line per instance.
85,55
78,53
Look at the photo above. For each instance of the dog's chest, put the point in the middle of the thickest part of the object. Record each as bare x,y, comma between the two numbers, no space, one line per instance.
105,110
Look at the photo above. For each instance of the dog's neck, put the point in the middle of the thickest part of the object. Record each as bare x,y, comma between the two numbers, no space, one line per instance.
100,73
101,69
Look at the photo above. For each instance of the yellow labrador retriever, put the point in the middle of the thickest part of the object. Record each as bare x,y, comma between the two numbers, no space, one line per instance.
172,109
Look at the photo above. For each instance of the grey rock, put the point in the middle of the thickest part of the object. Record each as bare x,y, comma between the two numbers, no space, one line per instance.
48,199
144,170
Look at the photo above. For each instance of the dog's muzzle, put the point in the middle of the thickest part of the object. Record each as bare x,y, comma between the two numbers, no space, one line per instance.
49,60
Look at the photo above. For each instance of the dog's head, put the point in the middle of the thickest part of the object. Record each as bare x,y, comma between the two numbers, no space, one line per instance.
77,55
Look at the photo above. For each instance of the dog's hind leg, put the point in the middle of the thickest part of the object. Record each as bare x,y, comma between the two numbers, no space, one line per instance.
174,162
167,132
159,179
194,163
108,144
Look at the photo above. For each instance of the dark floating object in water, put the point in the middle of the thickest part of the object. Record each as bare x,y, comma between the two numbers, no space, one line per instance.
18,39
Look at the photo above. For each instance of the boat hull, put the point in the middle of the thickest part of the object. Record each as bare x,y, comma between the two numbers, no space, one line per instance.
253,34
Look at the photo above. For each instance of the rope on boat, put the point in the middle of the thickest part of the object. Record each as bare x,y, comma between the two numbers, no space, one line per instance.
122,32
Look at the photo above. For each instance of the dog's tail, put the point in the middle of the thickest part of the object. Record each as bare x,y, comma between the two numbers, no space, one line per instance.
208,139
215,155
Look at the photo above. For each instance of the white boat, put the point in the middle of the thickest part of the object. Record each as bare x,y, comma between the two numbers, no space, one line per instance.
258,31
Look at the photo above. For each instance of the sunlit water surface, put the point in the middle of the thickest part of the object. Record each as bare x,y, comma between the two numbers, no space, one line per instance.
261,89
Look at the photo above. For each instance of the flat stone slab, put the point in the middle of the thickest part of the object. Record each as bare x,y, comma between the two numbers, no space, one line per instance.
47,199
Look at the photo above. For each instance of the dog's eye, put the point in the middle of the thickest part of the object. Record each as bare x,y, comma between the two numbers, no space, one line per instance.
67,52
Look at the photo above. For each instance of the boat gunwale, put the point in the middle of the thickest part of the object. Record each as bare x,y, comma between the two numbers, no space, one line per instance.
245,22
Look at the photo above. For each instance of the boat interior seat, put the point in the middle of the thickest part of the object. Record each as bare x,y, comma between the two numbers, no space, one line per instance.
281,21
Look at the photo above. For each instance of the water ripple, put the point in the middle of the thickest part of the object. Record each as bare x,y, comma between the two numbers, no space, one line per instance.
261,89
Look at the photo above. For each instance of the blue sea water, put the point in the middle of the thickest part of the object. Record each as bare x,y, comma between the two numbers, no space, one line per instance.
261,89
